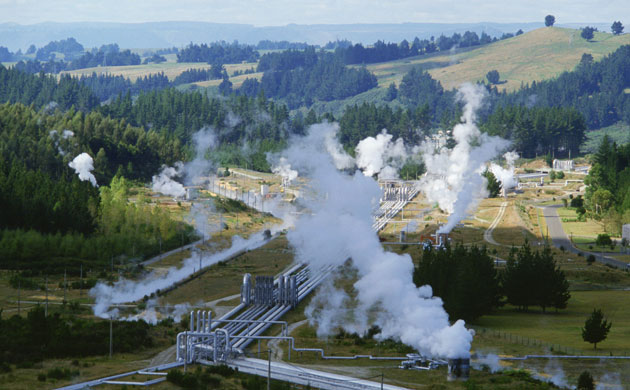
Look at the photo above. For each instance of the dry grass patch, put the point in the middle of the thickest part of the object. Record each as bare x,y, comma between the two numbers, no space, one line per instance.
536,55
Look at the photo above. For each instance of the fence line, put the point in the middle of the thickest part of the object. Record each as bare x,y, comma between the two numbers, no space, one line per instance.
524,340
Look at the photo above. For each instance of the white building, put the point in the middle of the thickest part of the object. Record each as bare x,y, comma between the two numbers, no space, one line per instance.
563,165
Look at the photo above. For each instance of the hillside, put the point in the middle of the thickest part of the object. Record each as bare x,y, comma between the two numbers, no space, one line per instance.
537,55
170,69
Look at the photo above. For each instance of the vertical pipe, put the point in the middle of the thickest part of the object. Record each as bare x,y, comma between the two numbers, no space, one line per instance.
269,370
198,320
111,335
192,320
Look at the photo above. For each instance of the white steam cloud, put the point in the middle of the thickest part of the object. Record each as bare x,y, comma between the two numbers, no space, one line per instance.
83,165
341,159
125,290
164,182
193,171
203,140
453,178
381,156
283,168
506,175
340,227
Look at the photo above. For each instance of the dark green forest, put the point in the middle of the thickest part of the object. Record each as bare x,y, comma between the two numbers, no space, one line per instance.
36,337
608,193
302,77
466,279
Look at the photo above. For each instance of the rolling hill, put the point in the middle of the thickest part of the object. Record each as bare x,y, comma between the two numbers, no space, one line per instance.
537,55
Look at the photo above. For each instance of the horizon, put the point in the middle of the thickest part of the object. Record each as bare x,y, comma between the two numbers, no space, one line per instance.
273,13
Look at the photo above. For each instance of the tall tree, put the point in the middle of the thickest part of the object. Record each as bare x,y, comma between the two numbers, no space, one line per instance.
550,20
596,328
585,381
465,278
588,33
493,186
493,76
533,278
617,28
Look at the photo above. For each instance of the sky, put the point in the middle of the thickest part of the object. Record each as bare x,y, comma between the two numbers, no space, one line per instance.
282,12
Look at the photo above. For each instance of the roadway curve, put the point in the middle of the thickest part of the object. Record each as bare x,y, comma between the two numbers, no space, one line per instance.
559,237
487,235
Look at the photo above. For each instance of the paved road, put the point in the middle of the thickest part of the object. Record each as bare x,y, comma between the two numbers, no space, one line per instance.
559,238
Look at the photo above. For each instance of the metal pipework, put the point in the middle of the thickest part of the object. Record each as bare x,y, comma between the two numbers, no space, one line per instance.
246,289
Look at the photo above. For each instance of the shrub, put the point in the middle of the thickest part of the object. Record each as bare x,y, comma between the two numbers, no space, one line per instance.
603,240
590,259
61,373
41,377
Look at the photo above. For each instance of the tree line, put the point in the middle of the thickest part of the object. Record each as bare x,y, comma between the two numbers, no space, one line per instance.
557,131
218,52
466,280
37,337
607,194
302,77
87,60
595,89
40,90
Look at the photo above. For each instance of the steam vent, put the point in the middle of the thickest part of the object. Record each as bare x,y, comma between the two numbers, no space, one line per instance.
458,369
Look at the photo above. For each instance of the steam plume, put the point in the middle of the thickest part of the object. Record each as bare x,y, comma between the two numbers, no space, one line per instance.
204,140
506,175
164,183
125,290
453,179
340,227
381,156
83,165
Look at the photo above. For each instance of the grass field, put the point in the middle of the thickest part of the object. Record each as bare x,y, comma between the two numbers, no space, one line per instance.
564,328
537,55
589,228
222,280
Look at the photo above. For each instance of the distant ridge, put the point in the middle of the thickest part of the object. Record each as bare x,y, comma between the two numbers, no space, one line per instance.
168,34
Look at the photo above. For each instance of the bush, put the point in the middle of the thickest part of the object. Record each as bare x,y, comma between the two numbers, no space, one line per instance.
61,373
590,259
559,175
577,202
603,240
41,377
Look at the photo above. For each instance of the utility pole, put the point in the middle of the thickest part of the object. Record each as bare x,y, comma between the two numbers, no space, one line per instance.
65,285
19,289
46,287
81,278
269,369
111,333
